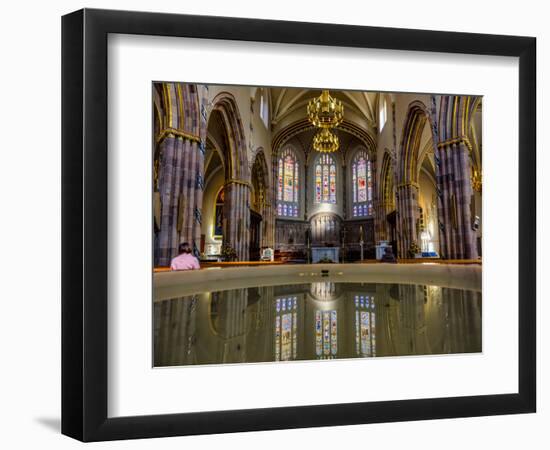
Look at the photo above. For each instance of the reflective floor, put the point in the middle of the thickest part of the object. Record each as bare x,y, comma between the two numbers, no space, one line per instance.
321,320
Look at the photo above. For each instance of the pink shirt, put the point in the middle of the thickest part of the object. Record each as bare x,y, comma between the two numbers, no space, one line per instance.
185,261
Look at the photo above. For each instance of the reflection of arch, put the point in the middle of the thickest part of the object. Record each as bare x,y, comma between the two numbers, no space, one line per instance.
325,291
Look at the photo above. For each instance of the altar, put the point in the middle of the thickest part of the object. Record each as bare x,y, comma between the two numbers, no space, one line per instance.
323,254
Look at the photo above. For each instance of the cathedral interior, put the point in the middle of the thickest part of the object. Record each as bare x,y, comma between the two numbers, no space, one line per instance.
314,175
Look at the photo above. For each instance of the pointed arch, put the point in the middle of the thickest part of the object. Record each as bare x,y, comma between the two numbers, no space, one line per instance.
386,183
262,198
260,181
226,105
413,129
455,113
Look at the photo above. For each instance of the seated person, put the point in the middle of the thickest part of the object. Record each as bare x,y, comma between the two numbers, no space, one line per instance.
185,260
388,256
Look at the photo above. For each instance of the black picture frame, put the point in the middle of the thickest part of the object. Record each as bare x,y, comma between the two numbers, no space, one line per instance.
84,224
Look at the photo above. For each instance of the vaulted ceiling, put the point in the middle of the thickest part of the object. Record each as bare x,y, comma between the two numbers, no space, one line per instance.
286,102
289,121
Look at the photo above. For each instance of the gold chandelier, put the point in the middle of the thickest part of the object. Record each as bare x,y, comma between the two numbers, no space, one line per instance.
325,141
325,111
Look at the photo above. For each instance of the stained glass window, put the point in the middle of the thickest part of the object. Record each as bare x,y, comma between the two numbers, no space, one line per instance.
326,334
287,184
365,325
218,214
361,178
286,320
325,180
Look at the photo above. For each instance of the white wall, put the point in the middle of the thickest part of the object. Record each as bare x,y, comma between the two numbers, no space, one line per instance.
30,186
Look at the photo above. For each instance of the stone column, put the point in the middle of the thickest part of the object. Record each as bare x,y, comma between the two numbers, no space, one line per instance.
379,219
345,193
237,213
457,238
407,210
169,195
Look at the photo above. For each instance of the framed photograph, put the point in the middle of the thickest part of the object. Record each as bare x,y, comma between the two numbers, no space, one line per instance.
273,225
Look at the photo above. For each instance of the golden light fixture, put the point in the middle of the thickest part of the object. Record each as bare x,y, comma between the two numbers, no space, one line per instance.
325,111
325,141
476,180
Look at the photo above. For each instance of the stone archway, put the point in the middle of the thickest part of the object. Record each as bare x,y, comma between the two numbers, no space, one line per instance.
262,205
237,174
415,127
386,201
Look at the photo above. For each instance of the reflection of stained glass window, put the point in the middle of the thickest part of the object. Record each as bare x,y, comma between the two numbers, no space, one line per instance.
326,334
287,184
325,180
361,177
365,325
286,319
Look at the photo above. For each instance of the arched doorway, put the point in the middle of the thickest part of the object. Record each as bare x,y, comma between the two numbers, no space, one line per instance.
213,196
386,208
260,206
428,221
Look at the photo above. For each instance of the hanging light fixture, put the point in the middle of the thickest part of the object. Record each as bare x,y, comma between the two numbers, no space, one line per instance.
325,141
325,111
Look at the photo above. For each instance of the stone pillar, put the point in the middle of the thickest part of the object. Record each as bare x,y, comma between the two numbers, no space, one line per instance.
345,192
237,213
169,173
456,237
180,187
379,219
381,211
407,211
305,188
